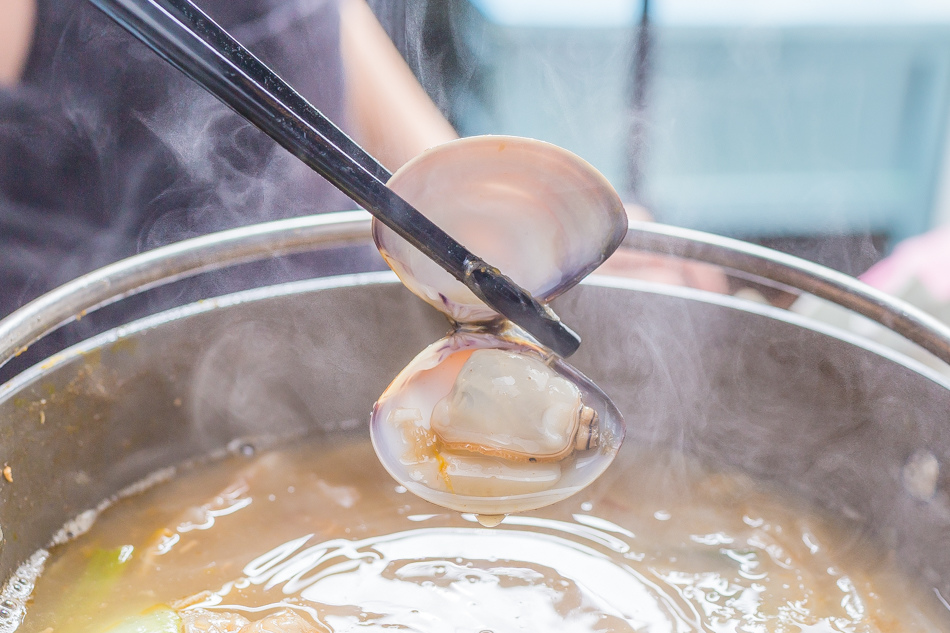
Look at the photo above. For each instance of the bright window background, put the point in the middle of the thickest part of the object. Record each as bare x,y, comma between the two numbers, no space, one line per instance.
764,119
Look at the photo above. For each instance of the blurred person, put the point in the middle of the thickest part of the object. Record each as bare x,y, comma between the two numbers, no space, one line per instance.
106,150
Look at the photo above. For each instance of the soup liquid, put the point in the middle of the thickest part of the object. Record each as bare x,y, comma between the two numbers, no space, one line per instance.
324,533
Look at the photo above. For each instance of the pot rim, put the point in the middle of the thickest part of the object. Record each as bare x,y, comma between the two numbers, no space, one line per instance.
214,251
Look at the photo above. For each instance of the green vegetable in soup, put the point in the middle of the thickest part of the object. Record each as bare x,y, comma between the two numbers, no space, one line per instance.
157,620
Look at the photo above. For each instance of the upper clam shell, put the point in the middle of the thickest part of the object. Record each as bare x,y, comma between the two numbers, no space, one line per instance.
540,214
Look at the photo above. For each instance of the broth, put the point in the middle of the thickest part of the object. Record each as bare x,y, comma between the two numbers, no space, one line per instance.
318,537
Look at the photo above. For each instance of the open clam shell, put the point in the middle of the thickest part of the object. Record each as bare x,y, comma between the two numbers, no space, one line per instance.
518,429
542,215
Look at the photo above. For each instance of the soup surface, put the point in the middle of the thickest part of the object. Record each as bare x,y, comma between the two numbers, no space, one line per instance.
319,538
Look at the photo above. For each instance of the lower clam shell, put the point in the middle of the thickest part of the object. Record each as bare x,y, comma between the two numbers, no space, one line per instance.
539,213
486,466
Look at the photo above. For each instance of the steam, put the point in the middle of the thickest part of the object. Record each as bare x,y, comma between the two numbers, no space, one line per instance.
108,150
184,165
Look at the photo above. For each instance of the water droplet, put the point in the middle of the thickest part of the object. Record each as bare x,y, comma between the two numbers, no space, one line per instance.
247,450
5,614
587,506
490,520
8,604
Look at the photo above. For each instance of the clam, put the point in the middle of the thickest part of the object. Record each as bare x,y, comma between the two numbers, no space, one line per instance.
486,420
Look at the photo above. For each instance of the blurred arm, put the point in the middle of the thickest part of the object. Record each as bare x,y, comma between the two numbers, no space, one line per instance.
17,21
392,116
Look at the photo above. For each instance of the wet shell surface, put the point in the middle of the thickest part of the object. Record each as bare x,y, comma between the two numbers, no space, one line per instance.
493,424
540,214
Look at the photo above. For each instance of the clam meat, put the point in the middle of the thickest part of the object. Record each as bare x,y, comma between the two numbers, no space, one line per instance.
486,420
510,405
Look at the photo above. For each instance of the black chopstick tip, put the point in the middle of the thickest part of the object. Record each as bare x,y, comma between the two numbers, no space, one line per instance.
565,341
518,306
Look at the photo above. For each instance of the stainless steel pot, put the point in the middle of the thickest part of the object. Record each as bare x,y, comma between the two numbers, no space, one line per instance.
738,385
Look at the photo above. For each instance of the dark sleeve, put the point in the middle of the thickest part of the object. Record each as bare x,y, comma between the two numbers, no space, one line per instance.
105,150
48,179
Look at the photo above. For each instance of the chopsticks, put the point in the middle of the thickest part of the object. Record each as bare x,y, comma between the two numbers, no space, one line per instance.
192,42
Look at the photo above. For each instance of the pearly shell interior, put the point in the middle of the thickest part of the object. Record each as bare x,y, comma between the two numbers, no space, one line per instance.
542,215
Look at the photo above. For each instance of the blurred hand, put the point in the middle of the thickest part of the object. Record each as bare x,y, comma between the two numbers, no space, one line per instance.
391,115
626,262
17,21
925,258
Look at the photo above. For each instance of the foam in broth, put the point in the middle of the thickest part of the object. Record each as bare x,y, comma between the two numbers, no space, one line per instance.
318,538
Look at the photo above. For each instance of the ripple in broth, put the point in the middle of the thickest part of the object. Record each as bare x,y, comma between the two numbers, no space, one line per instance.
311,538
